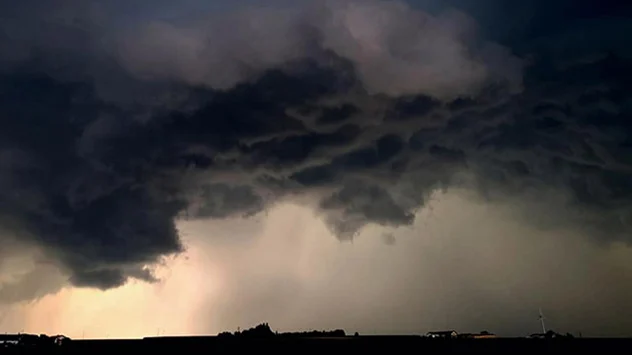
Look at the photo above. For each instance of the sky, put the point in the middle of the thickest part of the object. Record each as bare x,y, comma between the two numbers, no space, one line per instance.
385,167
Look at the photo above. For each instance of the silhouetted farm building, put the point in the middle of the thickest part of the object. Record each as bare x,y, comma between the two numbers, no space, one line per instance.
7,340
442,334
481,335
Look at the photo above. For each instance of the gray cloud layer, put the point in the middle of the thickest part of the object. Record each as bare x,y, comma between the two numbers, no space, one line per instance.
101,155
394,49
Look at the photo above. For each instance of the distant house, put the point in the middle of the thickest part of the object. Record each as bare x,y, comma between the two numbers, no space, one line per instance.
537,336
548,335
9,340
60,340
21,339
442,334
482,335
18,339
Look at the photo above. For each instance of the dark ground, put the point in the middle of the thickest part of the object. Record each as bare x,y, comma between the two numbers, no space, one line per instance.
390,344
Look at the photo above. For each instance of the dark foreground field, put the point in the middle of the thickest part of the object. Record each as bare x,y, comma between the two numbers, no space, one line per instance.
390,344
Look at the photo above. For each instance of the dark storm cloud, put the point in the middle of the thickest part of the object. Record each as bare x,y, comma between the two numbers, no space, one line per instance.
100,183
32,285
222,200
92,217
109,278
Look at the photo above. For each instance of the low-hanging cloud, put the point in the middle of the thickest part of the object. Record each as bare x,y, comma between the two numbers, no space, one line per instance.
289,103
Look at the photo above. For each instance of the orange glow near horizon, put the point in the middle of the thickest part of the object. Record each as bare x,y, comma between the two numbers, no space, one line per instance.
456,267
135,310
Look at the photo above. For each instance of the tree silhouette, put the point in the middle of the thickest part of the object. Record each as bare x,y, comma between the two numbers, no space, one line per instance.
264,330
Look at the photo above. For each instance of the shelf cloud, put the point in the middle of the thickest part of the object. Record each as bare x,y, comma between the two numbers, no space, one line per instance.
111,133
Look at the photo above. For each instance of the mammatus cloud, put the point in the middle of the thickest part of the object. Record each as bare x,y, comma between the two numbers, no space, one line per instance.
290,105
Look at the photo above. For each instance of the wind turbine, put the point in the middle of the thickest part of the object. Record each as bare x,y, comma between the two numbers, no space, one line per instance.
541,318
